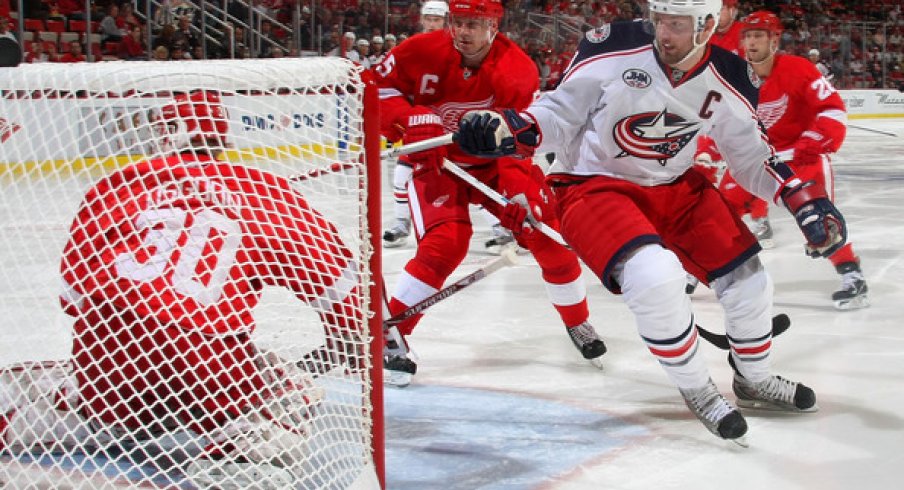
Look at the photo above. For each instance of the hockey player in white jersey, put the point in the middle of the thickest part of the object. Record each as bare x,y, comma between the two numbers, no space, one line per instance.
622,124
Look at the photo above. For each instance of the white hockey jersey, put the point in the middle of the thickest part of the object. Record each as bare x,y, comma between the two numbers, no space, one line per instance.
618,113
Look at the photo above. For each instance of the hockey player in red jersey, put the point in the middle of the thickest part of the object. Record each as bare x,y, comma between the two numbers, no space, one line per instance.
166,261
622,124
426,84
806,121
728,29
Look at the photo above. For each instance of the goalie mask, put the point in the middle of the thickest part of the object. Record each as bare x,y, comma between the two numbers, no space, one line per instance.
197,120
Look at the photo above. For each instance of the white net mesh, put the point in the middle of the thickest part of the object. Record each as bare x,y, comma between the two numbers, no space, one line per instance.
174,238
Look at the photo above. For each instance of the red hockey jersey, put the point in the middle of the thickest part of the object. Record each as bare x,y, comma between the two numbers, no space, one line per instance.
427,70
795,99
730,39
191,241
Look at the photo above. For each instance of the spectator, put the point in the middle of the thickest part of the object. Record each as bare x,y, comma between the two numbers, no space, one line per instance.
37,54
166,37
161,53
109,29
74,55
133,47
185,35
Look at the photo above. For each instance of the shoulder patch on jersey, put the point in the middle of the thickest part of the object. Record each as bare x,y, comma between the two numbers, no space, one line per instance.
599,34
637,78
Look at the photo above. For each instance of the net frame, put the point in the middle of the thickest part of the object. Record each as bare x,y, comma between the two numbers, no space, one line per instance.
354,150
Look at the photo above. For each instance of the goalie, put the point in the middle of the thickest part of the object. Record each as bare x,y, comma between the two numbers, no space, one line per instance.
166,260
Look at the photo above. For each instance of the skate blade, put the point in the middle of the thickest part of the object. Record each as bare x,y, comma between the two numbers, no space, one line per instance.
767,243
597,362
774,407
861,301
399,379
741,441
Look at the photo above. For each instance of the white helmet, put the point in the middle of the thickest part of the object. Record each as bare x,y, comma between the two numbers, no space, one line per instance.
700,10
435,7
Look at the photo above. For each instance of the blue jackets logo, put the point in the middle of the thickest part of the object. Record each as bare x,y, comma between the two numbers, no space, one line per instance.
653,135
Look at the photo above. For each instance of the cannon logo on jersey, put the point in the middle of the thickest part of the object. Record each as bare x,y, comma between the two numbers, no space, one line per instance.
599,34
653,135
635,78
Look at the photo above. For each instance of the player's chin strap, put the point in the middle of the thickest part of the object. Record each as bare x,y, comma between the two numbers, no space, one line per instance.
697,47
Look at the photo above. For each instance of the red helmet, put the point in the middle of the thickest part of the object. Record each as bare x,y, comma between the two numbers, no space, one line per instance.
491,9
762,20
730,3
196,118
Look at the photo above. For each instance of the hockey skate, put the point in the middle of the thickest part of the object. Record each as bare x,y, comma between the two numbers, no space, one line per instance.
587,341
853,293
502,239
398,365
397,235
763,231
718,415
774,393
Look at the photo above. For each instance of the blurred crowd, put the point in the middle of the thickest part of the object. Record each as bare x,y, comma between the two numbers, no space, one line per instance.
860,42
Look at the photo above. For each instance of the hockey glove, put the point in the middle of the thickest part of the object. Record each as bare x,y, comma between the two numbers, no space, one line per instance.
821,223
422,123
492,134
521,215
807,151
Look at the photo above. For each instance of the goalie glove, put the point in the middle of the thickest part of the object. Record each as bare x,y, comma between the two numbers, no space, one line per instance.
492,134
820,221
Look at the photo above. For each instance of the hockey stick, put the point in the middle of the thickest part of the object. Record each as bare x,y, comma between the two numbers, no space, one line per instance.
317,172
507,258
427,144
871,130
499,199
324,358
780,323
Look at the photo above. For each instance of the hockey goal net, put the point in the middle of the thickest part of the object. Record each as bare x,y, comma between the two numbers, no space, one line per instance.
171,321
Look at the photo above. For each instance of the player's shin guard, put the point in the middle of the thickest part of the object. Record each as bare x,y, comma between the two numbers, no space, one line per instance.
745,294
653,282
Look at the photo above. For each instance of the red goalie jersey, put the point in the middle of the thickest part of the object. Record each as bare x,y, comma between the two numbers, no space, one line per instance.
190,241
800,107
409,76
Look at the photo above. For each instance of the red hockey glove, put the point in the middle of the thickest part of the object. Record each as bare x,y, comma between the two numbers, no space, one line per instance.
492,134
807,151
821,223
521,215
422,123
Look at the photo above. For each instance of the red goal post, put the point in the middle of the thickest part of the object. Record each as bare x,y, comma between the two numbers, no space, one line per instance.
64,130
